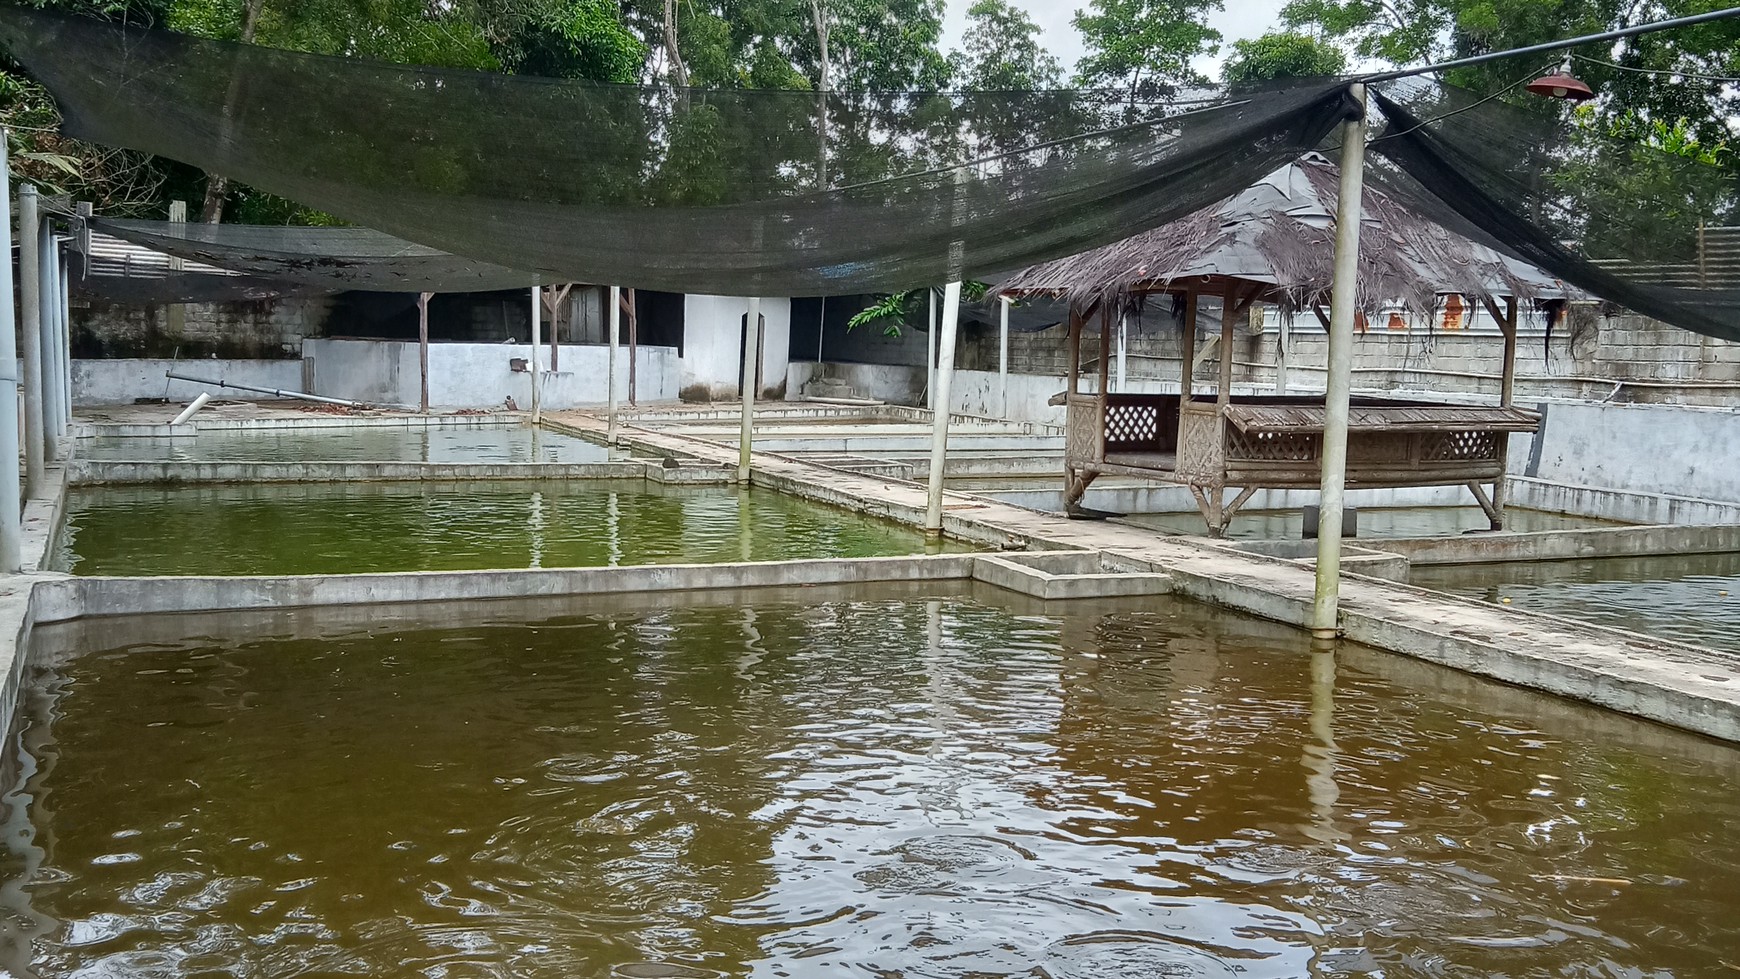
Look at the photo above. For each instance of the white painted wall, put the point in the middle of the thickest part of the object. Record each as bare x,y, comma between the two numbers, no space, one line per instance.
713,351
478,375
117,382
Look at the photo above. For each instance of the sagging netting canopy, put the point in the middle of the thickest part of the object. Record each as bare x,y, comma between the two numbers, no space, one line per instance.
316,259
756,192
744,192
1621,218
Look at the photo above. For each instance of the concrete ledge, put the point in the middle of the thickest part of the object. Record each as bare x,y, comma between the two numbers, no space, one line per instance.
1564,545
693,474
1068,575
1367,561
1619,505
208,423
60,599
102,473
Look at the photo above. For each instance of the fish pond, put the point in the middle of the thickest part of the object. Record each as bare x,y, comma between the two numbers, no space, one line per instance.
436,444
1691,598
871,783
348,528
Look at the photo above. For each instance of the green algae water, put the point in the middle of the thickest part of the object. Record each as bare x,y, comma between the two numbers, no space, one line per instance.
347,528
1691,598
439,444
840,784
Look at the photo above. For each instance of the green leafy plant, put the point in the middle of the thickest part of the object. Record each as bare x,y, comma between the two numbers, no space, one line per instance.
902,310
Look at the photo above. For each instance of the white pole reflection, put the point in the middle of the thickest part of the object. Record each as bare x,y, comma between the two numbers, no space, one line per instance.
1320,757
613,529
536,525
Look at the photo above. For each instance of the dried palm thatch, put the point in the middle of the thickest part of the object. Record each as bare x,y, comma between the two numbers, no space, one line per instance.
1281,234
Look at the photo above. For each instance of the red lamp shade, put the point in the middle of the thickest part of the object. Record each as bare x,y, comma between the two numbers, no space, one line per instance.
1561,86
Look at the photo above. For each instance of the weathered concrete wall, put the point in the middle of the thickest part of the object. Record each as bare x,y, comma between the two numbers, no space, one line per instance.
1645,448
112,382
268,329
713,351
479,375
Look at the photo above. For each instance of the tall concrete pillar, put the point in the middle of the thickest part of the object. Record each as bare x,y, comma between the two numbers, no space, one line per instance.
30,306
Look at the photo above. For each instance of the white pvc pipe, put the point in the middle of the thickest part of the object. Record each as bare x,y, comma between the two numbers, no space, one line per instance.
1003,356
64,344
537,355
751,365
615,320
1324,618
51,386
192,409
11,510
939,437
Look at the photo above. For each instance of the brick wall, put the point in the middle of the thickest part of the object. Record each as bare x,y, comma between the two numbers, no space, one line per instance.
270,329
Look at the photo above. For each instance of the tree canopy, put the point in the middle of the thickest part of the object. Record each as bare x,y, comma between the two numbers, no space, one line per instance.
1282,55
1145,46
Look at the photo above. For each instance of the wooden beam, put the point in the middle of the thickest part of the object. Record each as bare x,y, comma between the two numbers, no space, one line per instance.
1189,352
1322,317
1075,326
634,341
1205,352
1105,378
1508,323
1228,303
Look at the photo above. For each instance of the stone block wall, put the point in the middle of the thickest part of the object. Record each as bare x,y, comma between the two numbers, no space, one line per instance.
271,329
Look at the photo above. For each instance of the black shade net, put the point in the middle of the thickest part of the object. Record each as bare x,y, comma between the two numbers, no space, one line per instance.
749,192
1621,218
329,259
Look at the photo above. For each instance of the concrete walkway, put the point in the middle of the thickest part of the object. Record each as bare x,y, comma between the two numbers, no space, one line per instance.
1684,686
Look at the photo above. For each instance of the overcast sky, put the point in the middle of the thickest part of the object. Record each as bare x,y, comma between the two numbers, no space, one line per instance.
1241,18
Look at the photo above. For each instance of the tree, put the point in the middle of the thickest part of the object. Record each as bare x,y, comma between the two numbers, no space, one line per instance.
1145,46
1282,55
887,45
1002,52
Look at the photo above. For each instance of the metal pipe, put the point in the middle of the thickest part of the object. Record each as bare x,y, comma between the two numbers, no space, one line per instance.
11,509
275,392
30,304
51,386
930,350
751,370
1560,45
537,368
1348,211
1123,351
615,341
939,434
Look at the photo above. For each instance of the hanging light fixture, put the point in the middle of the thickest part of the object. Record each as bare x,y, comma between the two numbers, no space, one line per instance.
1562,85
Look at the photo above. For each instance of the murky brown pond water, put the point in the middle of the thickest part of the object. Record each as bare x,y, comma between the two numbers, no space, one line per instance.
819,783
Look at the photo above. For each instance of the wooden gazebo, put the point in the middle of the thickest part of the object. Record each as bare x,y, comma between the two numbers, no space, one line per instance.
1273,244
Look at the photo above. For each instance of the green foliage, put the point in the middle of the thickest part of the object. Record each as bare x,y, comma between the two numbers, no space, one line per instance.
888,45
1145,46
1282,55
1002,52
905,310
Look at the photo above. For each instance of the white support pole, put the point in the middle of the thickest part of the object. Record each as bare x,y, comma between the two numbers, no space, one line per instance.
11,512
30,305
1003,356
50,361
751,370
1324,618
191,410
939,434
423,351
537,355
63,343
615,321
1123,348
930,351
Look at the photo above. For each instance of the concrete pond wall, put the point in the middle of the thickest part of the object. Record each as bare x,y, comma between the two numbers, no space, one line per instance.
480,375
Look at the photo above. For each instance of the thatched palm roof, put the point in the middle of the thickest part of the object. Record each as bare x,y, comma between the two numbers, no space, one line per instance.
1280,233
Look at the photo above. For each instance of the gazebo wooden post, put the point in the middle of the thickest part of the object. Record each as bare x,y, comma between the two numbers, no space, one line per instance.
1506,398
1228,310
1074,350
1188,351
1103,407
1074,485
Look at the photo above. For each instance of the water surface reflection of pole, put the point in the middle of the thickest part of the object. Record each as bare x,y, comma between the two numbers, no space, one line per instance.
1321,755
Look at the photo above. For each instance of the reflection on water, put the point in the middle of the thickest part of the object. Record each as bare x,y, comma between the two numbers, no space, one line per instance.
345,528
1373,522
1692,598
448,446
839,786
